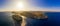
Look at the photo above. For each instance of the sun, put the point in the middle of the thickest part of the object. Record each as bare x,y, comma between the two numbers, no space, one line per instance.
20,5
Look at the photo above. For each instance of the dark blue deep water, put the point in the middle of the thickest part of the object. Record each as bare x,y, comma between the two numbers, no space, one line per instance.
6,19
53,20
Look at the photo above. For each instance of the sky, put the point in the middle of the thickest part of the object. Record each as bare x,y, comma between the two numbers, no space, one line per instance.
49,5
3,3
46,3
37,4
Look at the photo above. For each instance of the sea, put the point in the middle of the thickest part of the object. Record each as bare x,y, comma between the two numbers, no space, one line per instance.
53,20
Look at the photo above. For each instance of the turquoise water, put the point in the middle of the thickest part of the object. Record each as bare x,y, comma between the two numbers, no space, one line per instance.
53,20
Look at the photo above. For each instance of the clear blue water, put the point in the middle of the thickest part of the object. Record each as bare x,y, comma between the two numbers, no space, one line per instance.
53,20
